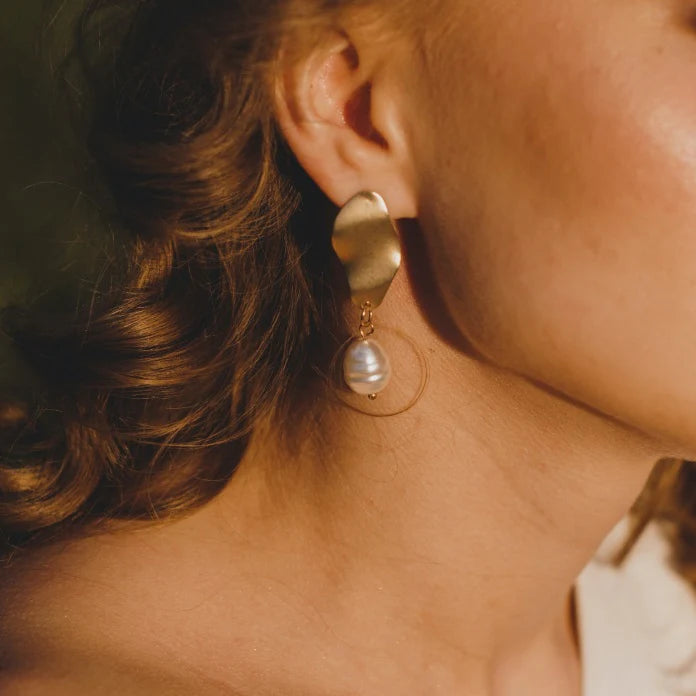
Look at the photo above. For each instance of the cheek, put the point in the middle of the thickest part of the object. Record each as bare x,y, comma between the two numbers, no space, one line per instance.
562,220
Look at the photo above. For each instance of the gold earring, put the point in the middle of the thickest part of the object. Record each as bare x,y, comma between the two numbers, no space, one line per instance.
367,243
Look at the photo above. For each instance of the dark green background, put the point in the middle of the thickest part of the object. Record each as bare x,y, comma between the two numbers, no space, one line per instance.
49,223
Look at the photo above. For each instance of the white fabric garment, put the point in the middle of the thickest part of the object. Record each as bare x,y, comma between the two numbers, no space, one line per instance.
636,623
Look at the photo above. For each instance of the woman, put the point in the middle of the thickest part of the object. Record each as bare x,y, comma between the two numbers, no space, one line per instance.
196,507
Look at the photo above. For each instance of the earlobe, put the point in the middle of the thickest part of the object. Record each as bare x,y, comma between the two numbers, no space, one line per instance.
324,105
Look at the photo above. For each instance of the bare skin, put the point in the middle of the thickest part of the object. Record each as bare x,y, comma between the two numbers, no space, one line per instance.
433,552
429,553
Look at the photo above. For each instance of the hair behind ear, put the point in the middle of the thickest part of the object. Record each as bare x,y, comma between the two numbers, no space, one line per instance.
219,307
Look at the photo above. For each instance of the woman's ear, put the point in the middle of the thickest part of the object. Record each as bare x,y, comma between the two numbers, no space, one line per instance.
339,113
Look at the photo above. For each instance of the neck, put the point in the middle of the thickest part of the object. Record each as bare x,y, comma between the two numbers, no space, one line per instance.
450,535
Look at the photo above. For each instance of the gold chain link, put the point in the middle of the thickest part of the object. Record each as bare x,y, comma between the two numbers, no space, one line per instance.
366,326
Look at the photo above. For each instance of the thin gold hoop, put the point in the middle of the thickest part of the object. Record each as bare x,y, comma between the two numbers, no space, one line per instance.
338,388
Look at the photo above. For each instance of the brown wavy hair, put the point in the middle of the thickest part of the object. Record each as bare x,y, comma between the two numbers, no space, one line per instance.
219,312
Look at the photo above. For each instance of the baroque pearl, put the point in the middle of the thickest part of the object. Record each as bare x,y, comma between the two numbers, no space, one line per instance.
366,367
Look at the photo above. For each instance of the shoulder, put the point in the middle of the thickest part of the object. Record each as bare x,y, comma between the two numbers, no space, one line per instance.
637,621
54,631
26,684
109,615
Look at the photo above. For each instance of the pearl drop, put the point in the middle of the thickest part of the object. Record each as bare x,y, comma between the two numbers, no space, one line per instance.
366,367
